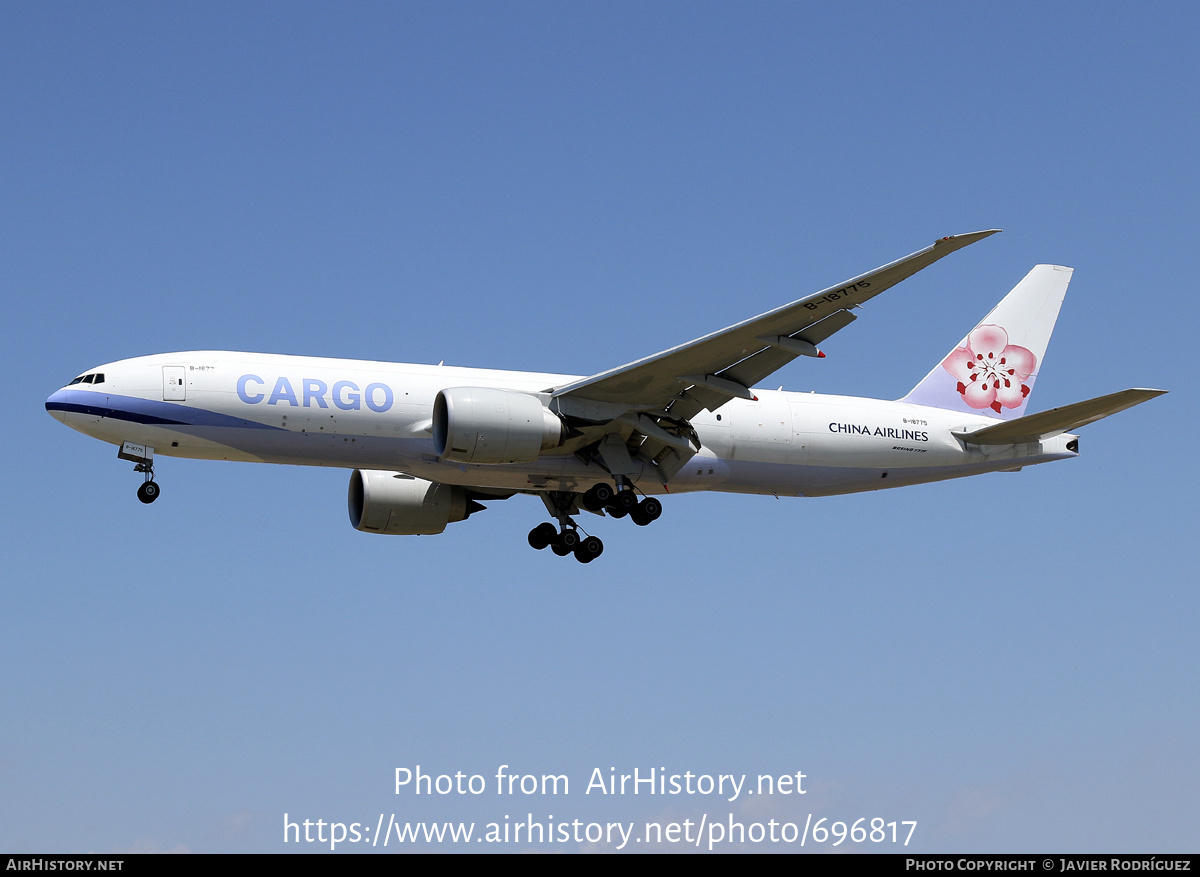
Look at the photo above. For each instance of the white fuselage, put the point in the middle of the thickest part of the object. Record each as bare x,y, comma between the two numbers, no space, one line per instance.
355,414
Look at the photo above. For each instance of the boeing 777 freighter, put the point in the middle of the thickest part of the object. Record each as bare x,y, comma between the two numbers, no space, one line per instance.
429,444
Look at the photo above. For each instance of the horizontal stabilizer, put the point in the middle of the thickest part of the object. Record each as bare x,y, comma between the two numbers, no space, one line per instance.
1047,424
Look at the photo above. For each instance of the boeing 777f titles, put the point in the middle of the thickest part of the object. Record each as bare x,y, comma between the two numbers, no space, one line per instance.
429,444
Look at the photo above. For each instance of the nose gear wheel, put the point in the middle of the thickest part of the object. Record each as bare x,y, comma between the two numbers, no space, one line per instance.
149,490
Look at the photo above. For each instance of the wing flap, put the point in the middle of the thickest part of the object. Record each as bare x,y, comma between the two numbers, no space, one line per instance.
1047,424
769,360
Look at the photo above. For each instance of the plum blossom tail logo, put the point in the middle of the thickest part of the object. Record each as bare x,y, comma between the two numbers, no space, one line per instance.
991,373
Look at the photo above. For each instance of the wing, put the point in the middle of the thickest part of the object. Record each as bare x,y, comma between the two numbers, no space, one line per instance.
638,415
709,371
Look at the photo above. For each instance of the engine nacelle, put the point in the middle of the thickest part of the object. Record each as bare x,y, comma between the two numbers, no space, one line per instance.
400,505
477,425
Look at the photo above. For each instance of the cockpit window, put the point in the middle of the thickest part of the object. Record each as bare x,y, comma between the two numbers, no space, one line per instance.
77,380
94,378
99,378
87,379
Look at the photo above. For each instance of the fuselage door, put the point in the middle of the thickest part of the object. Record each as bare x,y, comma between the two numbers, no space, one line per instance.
173,389
762,430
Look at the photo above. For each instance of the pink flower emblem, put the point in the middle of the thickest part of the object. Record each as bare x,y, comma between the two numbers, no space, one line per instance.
991,372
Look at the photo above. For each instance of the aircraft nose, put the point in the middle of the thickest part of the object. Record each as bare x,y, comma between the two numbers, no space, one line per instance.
55,406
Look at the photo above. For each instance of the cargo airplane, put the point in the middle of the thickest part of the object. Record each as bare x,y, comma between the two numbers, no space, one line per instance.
427,445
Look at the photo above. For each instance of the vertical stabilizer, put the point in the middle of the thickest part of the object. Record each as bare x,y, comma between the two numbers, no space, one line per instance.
993,369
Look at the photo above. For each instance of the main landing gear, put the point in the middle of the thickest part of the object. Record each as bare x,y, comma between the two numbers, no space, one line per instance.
566,538
567,541
619,503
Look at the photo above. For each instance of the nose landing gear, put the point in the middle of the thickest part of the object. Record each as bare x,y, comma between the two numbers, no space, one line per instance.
143,456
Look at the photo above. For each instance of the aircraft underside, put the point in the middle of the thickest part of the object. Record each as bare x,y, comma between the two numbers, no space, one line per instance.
567,483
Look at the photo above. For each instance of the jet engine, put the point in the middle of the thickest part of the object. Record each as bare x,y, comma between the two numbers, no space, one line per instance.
476,425
400,505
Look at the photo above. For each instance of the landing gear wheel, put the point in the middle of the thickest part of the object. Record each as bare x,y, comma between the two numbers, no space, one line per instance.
647,511
589,549
541,536
565,542
622,504
597,497
148,492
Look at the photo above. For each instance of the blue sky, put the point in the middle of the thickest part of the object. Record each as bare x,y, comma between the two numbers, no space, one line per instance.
1009,660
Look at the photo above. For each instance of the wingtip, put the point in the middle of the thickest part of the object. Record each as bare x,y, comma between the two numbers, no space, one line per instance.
970,237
